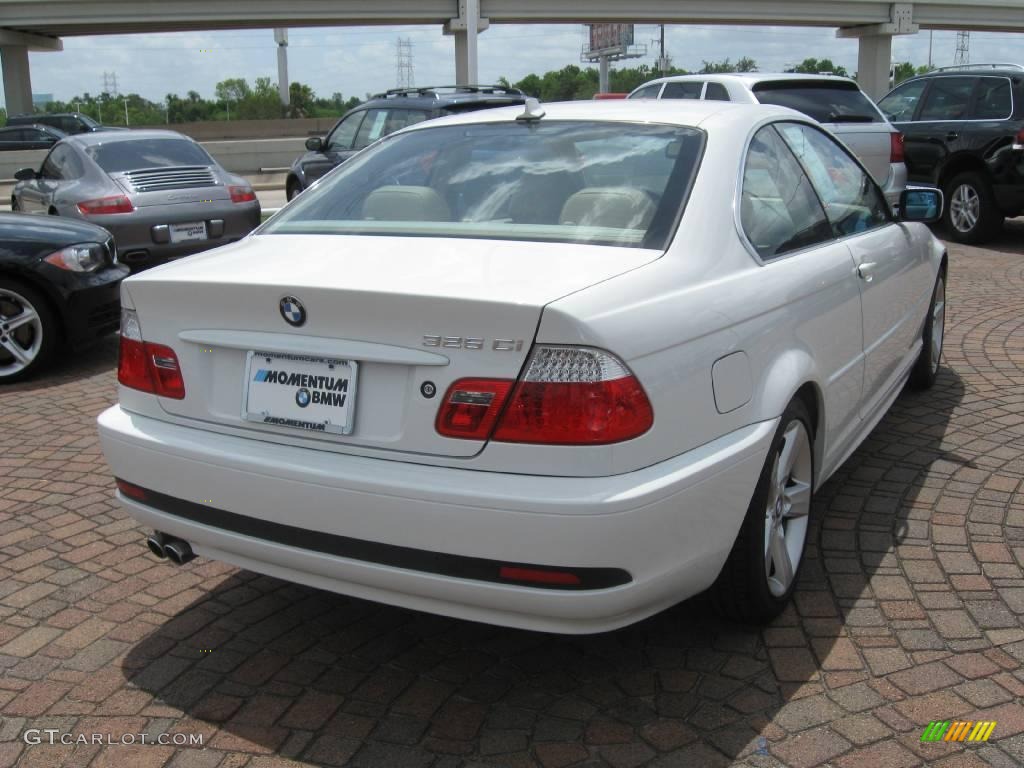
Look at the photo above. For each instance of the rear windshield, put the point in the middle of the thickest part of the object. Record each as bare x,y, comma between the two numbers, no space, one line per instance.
136,154
836,102
619,184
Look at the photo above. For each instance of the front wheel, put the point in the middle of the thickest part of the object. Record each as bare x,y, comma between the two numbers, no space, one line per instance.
28,331
971,215
926,369
759,576
292,190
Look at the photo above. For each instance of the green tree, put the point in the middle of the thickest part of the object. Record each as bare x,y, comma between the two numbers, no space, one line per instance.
813,66
905,70
234,89
745,64
301,100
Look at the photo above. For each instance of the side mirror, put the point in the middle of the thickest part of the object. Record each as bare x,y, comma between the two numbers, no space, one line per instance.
315,144
923,205
25,174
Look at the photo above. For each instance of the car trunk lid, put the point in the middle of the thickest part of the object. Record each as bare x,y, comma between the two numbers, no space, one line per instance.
170,186
412,314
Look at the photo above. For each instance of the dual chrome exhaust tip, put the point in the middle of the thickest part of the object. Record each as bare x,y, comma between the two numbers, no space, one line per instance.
167,547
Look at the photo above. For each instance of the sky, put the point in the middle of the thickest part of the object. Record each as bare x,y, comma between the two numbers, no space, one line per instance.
356,61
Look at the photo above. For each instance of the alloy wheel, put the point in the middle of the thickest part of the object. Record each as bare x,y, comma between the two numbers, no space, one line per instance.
788,508
21,333
965,208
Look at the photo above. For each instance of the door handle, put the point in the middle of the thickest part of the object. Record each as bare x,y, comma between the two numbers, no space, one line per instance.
866,271
951,136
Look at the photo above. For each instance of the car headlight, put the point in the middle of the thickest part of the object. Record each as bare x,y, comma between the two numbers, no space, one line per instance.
87,257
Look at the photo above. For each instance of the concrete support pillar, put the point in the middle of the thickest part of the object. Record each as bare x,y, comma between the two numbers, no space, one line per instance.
17,83
874,61
602,75
465,28
281,38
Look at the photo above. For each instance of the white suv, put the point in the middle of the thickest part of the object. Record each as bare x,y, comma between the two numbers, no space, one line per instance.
835,102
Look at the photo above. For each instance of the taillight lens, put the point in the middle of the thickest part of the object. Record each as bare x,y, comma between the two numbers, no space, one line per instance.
104,205
566,396
896,147
471,406
146,366
1019,139
242,194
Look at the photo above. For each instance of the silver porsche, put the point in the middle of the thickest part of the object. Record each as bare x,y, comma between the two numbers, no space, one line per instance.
159,193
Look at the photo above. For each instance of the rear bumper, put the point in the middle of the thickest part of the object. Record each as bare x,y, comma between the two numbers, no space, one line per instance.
669,526
139,247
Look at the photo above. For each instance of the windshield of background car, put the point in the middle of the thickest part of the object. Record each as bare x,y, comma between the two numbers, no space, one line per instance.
603,183
136,154
826,102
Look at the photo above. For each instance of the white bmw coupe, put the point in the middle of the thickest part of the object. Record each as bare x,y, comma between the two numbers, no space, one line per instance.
556,368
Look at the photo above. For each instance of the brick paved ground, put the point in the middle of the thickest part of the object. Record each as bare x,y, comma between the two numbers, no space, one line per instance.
909,610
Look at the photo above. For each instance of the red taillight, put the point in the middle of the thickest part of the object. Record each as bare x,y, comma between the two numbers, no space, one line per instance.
1019,139
567,396
561,413
471,406
896,147
146,366
131,491
538,575
241,194
105,205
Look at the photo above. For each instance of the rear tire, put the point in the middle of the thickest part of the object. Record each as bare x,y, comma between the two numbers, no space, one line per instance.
926,369
761,572
28,331
971,215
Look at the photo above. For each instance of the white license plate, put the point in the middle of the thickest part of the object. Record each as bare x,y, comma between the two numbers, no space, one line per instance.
310,393
183,233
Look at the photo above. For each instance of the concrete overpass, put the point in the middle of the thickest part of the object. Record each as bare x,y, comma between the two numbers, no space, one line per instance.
39,25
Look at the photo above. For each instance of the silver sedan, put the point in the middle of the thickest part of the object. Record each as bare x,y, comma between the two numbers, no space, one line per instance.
158,192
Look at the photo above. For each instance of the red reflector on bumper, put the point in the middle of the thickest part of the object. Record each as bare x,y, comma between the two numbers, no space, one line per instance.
514,573
131,491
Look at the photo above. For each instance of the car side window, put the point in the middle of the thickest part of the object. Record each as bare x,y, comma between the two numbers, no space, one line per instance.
372,128
992,99
344,133
403,118
716,92
647,92
852,200
948,99
779,211
899,106
53,164
683,90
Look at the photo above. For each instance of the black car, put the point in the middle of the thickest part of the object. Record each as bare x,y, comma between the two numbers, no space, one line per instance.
69,122
29,137
59,286
963,131
386,113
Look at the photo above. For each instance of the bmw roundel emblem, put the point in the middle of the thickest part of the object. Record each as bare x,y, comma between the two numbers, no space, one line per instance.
302,398
292,311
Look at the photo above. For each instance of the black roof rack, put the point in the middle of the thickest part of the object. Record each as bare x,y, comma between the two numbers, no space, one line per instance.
432,91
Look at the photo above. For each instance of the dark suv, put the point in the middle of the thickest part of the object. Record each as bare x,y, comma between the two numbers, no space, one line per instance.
69,122
386,113
963,130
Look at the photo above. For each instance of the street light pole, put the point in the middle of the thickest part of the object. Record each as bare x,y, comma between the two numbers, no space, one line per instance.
126,112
